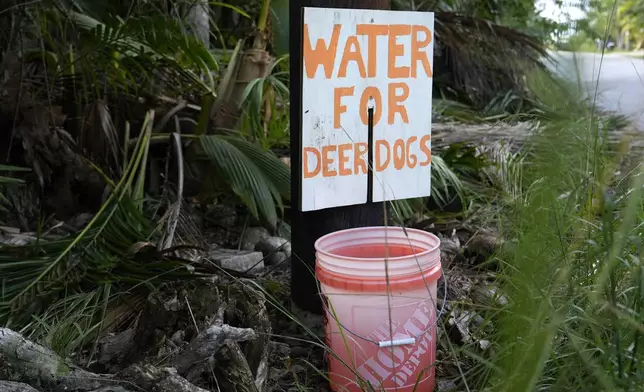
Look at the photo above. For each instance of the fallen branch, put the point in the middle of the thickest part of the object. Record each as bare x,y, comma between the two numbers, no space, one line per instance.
207,343
158,380
23,361
10,386
250,308
232,371
26,358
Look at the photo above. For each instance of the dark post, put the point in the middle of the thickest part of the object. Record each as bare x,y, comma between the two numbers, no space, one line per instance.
307,227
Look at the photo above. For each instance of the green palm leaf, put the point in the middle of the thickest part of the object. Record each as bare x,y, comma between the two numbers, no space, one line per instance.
121,48
275,170
255,175
443,180
280,21
53,284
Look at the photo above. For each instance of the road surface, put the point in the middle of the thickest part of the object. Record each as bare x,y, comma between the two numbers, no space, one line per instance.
620,83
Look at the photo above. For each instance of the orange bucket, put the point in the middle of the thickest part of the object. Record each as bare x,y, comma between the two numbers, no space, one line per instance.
387,341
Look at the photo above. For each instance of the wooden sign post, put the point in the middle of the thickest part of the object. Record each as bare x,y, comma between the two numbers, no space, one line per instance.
361,92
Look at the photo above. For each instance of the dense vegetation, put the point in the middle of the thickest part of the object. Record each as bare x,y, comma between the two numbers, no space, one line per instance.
126,119
619,22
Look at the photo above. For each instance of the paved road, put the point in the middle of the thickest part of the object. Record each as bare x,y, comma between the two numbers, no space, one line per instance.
621,80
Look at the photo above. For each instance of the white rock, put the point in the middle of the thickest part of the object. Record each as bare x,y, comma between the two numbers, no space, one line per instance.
252,236
238,260
275,249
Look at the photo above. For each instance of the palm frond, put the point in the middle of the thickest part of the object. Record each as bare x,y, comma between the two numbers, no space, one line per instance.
99,137
255,175
7,181
137,55
72,280
272,167
261,97
478,59
12,180
444,181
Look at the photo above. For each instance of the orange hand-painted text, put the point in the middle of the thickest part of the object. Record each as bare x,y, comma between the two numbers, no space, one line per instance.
324,54
397,93
334,58
336,160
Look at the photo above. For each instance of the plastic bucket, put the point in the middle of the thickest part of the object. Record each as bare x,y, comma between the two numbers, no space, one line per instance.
391,356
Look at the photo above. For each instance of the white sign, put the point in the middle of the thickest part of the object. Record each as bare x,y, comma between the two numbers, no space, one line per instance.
353,59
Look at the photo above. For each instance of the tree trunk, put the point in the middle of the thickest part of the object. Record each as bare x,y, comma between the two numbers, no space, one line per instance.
198,19
10,386
251,64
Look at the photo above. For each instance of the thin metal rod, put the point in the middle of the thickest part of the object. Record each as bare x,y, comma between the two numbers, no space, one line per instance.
370,151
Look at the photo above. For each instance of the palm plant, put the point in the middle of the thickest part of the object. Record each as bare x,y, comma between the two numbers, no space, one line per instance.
8,181
632,20
477,57
105,69
66,289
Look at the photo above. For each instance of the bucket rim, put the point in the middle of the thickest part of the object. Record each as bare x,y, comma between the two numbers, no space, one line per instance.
397,258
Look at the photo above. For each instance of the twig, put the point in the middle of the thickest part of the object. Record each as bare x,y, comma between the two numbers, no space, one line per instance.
209,342
42,367
171,100
176,208
164,120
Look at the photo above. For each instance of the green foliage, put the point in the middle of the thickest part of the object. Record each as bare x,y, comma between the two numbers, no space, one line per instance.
109,63
59,288
570,268
620,21
257,176
5,180
280,23
8,181
264,99
578,42
446,186
129,49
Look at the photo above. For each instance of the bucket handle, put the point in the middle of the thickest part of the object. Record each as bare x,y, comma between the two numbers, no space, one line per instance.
396,342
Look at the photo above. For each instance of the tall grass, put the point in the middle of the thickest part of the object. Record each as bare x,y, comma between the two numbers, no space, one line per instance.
571,268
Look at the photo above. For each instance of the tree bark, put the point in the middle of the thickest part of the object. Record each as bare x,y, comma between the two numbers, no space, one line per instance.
199,20
307,227
248,308
23,361
231,370
159,380
10,386
252,63
209,342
